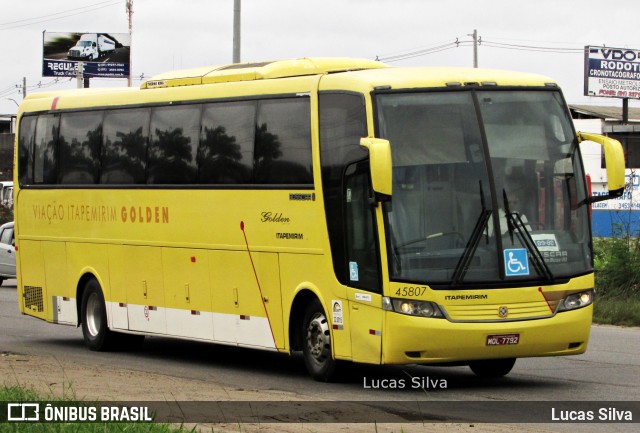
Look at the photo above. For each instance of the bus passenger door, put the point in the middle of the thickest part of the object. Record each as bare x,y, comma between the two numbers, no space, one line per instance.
365,287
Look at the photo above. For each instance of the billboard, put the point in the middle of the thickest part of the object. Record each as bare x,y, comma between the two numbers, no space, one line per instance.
612,72
102,54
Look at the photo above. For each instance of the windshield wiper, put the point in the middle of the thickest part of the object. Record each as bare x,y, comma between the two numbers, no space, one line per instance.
472,244
517,226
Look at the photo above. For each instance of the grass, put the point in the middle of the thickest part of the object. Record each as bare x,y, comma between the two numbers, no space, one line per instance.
617,266
617,311
17,394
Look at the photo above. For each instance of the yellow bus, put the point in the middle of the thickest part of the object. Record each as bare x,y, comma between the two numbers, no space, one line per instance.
338,207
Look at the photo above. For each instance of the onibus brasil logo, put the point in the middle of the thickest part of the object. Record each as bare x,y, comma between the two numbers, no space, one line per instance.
41,412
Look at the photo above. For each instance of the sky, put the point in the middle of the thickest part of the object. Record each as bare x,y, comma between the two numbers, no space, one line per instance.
543,36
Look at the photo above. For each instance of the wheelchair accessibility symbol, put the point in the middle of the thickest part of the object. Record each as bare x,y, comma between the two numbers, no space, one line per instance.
353,271
516,262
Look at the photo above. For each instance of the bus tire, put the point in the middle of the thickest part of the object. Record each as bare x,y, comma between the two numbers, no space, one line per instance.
95,330
316,343
492,368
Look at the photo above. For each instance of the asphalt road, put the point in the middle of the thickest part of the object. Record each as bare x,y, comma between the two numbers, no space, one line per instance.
608,372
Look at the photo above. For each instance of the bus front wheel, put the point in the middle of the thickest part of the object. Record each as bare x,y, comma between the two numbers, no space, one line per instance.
317,343
492,368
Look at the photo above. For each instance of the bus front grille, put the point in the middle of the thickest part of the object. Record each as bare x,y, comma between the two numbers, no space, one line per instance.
508,311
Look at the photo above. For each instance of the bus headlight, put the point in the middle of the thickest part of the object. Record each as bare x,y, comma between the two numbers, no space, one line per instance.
412,307
577,300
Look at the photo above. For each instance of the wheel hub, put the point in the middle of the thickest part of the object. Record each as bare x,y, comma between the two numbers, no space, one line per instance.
318,339
94,315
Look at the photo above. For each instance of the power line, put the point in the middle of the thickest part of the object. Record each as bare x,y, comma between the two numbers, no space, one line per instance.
559,50
425,51
13,91
6,89
481,42
18,88
58,15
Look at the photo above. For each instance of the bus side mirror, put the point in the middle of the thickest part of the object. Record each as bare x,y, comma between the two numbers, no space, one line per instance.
379,165
614,159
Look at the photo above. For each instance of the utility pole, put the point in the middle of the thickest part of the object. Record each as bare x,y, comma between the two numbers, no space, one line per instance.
625,111
236,31
80,75
475,48
22,88
130,15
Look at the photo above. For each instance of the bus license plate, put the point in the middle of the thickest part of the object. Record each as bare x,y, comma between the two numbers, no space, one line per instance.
502,339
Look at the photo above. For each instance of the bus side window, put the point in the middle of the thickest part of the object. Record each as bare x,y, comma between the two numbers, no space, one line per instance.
225,152
79,144
26,149
124,151
46,150
173,147
360,229
283,142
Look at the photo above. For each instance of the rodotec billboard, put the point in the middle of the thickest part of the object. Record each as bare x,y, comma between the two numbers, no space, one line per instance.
612,72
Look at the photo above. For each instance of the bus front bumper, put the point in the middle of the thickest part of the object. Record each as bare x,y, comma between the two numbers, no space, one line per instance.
418,340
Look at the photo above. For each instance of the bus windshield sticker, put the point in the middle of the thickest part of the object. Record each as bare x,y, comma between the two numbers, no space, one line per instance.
353,271
516,262
545,242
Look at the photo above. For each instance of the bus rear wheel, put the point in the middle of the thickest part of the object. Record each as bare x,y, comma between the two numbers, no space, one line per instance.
95,330
316,344
492,368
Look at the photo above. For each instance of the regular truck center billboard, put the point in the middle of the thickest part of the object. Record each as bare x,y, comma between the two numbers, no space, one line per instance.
102,54
612,72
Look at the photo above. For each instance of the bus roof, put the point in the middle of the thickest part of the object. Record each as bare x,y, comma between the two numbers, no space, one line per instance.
369,72
361,75
433,77
259,71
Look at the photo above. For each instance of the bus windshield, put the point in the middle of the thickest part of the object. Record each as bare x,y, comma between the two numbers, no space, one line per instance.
488,187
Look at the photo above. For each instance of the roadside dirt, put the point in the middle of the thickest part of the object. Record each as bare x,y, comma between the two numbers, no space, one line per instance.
55,377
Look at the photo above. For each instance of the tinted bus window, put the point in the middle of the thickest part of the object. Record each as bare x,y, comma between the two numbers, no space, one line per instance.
79,145
283,142
126,133
225,155
45,154
26,149
343,121
174,145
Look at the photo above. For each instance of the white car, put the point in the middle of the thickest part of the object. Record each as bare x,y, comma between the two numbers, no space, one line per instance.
7,252
6,193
